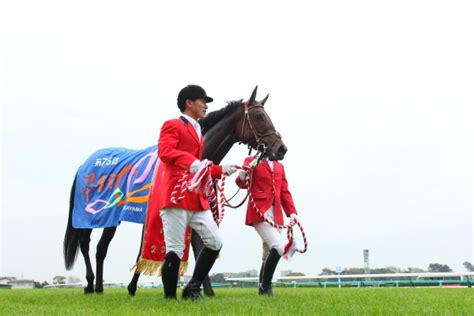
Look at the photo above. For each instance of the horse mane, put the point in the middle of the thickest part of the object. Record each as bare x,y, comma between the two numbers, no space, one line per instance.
214,117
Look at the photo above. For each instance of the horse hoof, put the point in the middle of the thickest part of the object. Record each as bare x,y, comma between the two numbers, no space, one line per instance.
131,291
88,290
210,294
99,290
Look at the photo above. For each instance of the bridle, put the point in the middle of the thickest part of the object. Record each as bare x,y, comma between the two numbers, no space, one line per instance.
258,144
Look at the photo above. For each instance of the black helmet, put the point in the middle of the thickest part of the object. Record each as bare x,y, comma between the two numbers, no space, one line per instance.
192,92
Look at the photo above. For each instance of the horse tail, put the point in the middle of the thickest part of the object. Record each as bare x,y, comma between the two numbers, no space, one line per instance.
71,238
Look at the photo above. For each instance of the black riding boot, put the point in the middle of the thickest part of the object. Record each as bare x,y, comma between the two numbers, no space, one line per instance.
268,270
169,274
260,278
204,263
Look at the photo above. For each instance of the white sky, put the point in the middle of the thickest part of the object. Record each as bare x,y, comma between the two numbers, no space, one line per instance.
374,100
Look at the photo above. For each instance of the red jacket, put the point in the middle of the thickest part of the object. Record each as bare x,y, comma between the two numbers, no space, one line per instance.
178,148
268,188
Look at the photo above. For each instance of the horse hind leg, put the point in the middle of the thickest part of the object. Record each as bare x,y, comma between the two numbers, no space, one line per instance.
132,286
198,245
101,253
84,241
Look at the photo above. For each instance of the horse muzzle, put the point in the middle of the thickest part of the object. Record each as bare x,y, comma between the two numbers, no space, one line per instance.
277,152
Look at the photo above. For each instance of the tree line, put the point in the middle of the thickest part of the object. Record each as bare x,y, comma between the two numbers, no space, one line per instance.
432,267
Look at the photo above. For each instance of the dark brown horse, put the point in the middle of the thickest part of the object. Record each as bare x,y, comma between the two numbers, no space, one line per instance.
238,122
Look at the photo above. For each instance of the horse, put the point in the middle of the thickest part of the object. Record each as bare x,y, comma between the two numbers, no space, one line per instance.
238,122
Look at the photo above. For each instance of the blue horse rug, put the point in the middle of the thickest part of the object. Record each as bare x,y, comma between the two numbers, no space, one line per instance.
113,185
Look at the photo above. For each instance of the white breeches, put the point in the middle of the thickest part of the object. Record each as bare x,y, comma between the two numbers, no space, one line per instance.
174,227
270,235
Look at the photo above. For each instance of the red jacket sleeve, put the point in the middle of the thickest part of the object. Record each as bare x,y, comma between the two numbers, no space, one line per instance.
167,147
286,198
216,171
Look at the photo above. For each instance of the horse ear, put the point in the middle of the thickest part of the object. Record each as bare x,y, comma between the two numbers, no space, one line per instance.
265,99
253,96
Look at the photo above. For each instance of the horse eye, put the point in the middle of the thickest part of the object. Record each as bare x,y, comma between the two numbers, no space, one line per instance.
259,118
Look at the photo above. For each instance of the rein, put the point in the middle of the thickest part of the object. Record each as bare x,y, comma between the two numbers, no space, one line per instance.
202,181
210,186
289,226
259,158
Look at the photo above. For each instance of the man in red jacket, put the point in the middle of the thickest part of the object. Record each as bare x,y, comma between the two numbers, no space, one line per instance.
269,190
180,148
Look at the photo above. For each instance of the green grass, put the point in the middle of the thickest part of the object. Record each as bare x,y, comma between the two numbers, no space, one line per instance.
245,301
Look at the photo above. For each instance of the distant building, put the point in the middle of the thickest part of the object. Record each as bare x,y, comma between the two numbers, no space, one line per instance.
285,272
14,283
5,282
23,284
246,274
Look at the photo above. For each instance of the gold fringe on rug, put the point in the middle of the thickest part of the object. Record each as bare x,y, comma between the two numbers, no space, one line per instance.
151,267
183,267
147,267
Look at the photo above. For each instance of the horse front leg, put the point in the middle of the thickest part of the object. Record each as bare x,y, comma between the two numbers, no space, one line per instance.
100,255
84,241
198,245
132,286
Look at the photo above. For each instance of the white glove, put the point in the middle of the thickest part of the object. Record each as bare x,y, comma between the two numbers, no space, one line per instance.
229,169
196,165
291,251
253,163
243,175
293,217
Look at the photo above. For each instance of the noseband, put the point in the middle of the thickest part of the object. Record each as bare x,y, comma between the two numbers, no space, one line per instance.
259,144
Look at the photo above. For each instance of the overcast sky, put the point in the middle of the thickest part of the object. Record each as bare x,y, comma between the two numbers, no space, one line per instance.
374,101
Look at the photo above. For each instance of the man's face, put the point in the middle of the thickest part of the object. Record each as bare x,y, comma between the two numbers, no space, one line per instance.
197,108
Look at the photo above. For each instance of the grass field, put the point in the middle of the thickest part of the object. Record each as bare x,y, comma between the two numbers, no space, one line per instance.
245,301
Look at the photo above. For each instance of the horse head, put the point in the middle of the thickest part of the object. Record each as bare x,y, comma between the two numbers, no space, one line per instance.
257,130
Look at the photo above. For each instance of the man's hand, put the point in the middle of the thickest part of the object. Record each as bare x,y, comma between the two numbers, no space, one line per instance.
229,169
196,165
243,175
253,163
